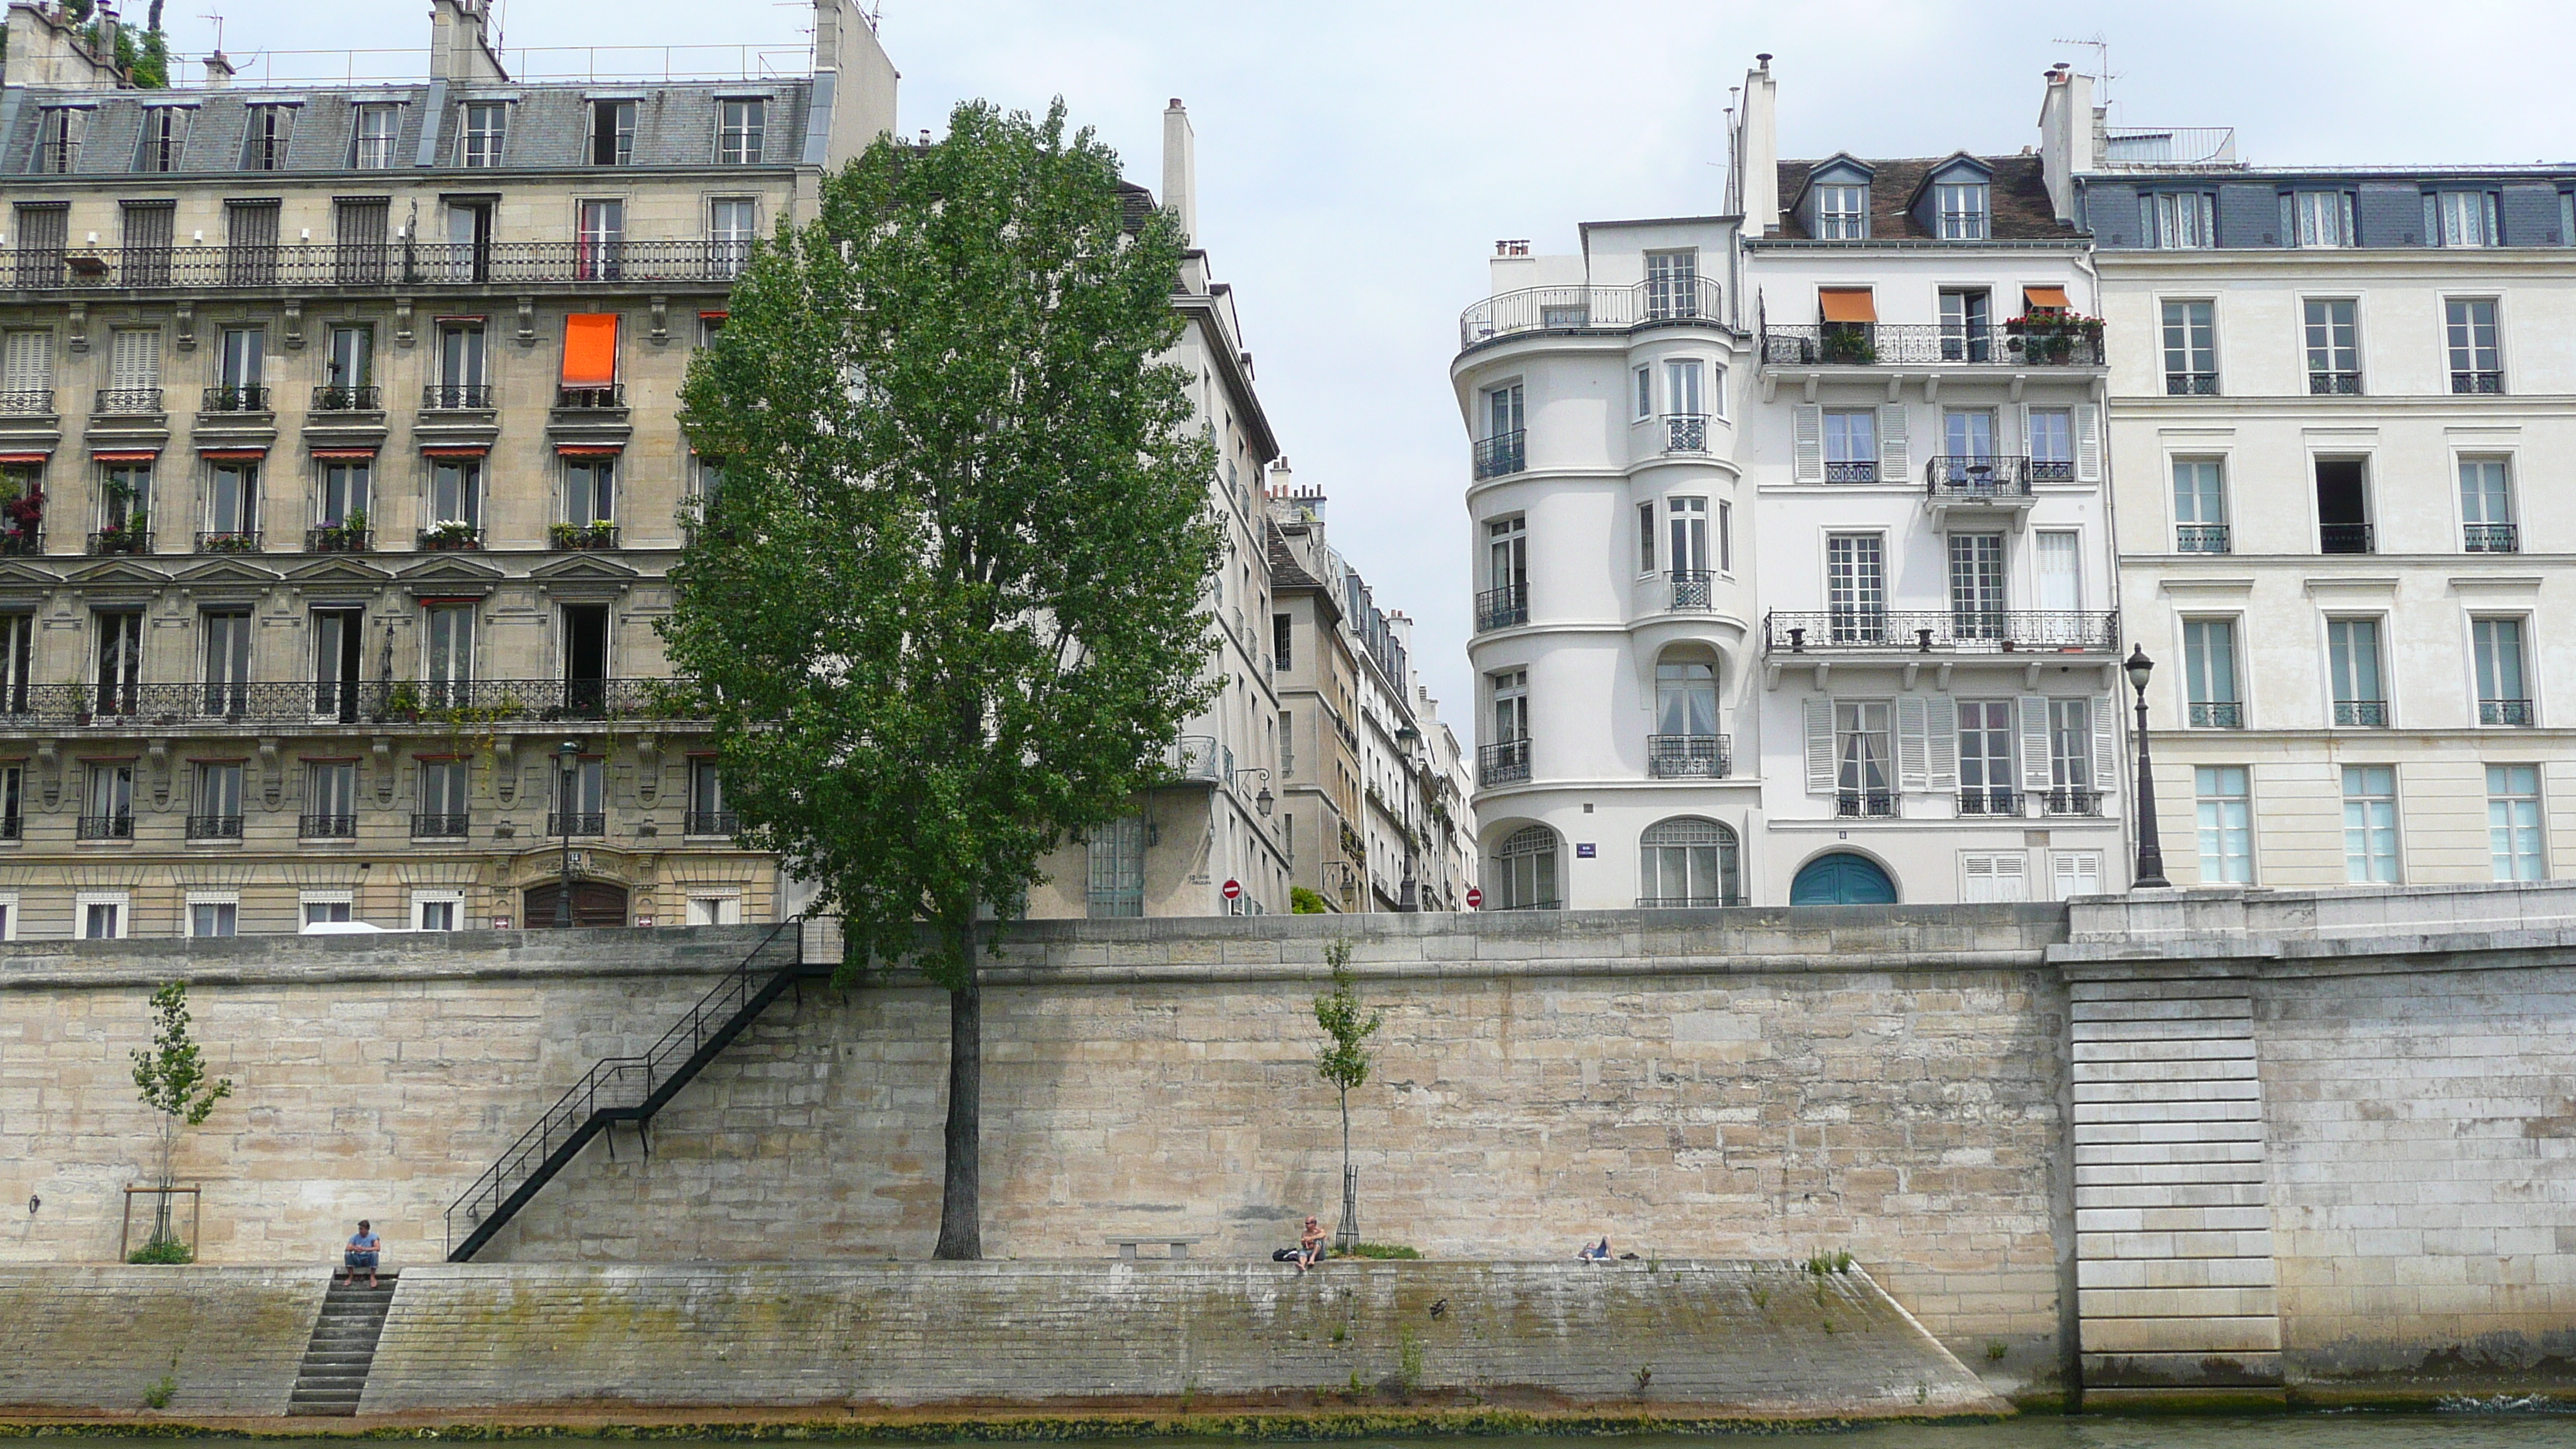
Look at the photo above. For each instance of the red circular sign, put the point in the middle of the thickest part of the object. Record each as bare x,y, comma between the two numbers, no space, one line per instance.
1233,888
1475,899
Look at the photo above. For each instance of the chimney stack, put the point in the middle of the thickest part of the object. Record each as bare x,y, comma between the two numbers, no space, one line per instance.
1757,151
106,35
219,71
2066,125
1181,170
460,42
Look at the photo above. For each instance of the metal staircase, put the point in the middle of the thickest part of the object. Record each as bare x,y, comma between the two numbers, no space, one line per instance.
628,1089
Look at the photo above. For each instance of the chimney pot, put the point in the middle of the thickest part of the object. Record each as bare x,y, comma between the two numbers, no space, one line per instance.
1176,103
1765,59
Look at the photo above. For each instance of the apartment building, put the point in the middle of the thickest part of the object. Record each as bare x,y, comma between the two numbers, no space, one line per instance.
343,475
2343,461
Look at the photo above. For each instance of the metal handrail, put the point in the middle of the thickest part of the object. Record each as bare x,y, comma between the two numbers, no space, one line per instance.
1502,454
1979,631
373,702
393,264
1865,344
1503,763
1503,608
1587,309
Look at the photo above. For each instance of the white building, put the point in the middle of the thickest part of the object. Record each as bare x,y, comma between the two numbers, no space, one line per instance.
2345,463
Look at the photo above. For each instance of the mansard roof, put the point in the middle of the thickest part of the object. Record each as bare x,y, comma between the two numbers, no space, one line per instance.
2019,196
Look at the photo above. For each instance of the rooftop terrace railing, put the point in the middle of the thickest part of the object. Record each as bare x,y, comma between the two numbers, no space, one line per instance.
394,264
1586,308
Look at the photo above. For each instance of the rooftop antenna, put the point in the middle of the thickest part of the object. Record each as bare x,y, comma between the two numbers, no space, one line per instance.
2100,45
217,17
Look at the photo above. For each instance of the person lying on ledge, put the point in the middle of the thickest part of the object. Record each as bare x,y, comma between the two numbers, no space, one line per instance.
1596,1252
365,1251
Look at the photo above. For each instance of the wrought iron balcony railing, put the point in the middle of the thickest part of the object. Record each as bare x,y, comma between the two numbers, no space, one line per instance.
1989,800
18,541
1193,757
591,398
1504,763
338,538
451,397
2191,384
1689,757
2477,382
251,399
2217,714
326,827
1503,608
2504,711
1590,309
440,826
1693,590
375,703
1675,903
576,823
229,540
2334,384
403,264
1502,454
1969,477
2071,800
1685,432
2493,538
127,400
450,538
1959,631
1857,470
2343,538
2200,538
709,822
214,827
1865,804
1866,344
2364,713
120,540
27,402
105,827
348,399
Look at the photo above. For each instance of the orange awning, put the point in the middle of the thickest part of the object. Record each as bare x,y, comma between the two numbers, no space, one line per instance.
1847,304
465,450
232,455
588,450
127,455
2046,297
343,455
20,460
590,349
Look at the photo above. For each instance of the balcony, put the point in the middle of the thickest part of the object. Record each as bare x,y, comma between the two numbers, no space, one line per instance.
2217,714
348,400
450,537
326,827
2504,712
445,397
1193,757
2071,800
581,537
590,399
120,540
441,704
1986,484
233,540
1503,608
1503,764
250,399
2200,538
440,827
2362,713
1854,470
27,402
214,827
2343,538
1881,344
105,827
17,542
1688,757
1865,804
1948,631
1693,590
1502,454
1989,800
1685,432
2477,382
2334,384
1590,309
339,538
128,401
709,822
576,823
2191,384
407,264
2493,538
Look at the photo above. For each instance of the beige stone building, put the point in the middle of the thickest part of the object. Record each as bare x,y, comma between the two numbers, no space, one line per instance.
338,426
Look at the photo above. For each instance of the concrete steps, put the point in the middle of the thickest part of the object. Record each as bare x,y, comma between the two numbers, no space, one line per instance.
333,1375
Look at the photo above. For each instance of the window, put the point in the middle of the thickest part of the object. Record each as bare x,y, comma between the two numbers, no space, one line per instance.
438,910
1688,521
2226,825
1685,742
1524,874
1117,869
715,910
1645,538
2343,507
13,826
2513,823
1861,753
478,140
2486,507
600,254
444,811
2168,220
449,660
264,137
150,230
1688,863
732,225
27,372
2317,219
1842,212
2334,347
108,811
227,661
1977,585
1644,380
2071,789
44,235
218,808
241,368
58,142
2477,363
2076,873
1967,457
1685,406
1994,876
1283,631
2200,506
327,907
1506,602
612,133
467,257
164,139
739,127
2370,824
372,147
213,917
708,813
1961,207
330,800
581,798
1851,445
1986,757
456,495
232,507
460,368
365,251
120,661
1672,284
2191,348
1725,537
2352,654
1499,451
250,243
124,509
2460,219
102,916
2503,697
2061,569
590,492
1511,705
1856,587
1967,325
2052,445
2209,673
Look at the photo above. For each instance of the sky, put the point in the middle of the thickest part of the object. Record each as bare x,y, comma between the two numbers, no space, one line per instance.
1357,161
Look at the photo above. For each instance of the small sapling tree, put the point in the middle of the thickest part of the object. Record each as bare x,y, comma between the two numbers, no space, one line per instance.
171,1077
1343,1062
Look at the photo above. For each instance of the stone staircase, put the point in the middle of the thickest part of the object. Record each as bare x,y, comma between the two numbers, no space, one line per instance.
343,1347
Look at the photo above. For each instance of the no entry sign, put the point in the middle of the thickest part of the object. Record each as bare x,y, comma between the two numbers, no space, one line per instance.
1233,890
1475,899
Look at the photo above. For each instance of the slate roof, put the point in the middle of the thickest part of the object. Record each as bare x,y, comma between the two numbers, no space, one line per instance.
2019,197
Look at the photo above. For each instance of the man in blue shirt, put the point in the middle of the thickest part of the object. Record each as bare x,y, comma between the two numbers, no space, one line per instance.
365,1250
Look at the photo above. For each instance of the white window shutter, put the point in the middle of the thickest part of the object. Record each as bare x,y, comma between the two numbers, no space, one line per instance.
1892,467
2034,742
1820,746
2106,743
2088,443
1810,429
1944,736
2012,878
2023,414
2078,873
1979,882
1913,768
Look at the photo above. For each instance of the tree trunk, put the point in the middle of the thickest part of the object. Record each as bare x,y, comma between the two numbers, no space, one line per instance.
961,1234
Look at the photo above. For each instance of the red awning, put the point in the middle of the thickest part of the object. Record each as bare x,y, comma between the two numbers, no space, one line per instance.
588,450
461,317
344,454
127,455
469,450
590,349
713,316
233,455
22,459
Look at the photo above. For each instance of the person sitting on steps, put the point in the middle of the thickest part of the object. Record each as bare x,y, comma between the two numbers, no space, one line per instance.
1310,1246
365,1251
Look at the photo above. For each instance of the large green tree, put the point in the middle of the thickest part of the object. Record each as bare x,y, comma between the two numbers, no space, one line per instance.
946,603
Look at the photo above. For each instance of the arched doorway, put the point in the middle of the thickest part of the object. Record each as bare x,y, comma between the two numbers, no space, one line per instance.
1842,879
594,903
1523,874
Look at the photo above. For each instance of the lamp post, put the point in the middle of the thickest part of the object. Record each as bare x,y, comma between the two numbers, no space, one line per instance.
566,796
2151,854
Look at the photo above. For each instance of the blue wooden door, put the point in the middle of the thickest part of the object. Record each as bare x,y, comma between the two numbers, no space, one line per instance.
1842,880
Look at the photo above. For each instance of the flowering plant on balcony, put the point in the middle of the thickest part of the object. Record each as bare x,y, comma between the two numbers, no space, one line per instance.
129,536
349,535
451,533
236,542
2052,332
24,515
597,534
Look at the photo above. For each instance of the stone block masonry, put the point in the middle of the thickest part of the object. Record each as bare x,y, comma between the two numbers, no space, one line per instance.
222,1341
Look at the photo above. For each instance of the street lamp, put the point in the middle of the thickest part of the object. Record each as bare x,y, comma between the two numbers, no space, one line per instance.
566,796
1265,800
2151,855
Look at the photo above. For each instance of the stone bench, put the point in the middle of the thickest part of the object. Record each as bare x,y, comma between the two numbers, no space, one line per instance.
1176,1246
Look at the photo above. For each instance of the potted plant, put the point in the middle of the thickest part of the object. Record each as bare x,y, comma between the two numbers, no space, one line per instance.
24,514
126,537
349,535
232,543
451,533
1848,342
599,533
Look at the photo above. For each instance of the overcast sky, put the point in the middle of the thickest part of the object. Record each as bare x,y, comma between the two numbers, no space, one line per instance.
1358,160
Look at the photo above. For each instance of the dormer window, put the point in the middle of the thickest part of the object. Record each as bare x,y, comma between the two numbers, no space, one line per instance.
739,128
612,133
264,138
478,140
372,147
1842,212
2168,220
58,143
1961,208
2317,219
2460,219
165,137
